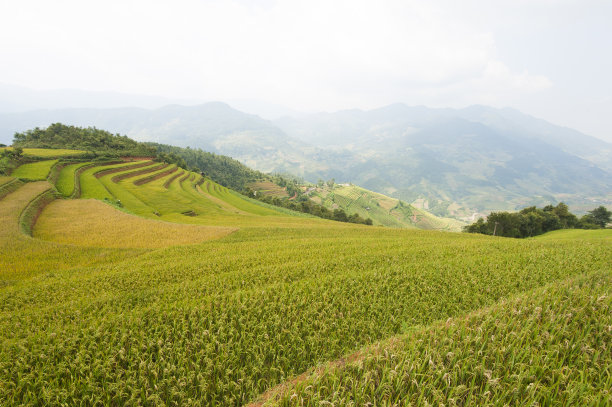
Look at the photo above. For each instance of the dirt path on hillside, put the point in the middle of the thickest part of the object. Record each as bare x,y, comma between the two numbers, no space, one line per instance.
279,389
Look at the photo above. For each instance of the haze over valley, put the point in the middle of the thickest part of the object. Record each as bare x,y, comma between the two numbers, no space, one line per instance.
454,162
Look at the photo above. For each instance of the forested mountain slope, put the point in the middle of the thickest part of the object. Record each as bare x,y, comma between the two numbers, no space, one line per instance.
479,158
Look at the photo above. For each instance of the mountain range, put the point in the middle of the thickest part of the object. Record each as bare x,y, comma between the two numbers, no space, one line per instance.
454,162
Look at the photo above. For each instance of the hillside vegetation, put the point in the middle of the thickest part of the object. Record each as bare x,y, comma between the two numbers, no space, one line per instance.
456,161
60,136
382,209
251,296
223,170
533,221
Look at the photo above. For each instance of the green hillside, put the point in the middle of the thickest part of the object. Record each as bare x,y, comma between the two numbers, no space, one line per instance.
383,210
161,287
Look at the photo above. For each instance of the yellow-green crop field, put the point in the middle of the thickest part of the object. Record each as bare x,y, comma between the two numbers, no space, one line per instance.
47,152
36,171
573,234
101,225
133,299
549,346
5,179
65,181
383,210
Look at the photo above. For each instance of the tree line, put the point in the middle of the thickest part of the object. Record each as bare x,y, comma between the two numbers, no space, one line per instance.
221,169
90,139
533,221
307,206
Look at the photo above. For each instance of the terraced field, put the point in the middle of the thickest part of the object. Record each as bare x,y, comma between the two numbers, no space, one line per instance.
45,152
36,171
22,257
382,209
372,315
101,225
66,179
269,188
5,179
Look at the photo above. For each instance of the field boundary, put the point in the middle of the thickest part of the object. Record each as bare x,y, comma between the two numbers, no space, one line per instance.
184,178
10,186
54,172
126,167
169,182
151,178
391,343
133,174
76,192
30,214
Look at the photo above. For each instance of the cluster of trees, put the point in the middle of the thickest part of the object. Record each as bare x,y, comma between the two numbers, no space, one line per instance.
9,159
291,184
90,139
219,168
307,206
237,176
533,221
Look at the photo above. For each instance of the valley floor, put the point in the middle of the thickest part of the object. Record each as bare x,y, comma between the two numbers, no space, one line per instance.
102,306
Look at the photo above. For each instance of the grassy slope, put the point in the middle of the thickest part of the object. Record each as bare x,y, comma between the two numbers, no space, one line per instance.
102,225
222,321
65,181
571,234
382,209
36,171
47,152
23,257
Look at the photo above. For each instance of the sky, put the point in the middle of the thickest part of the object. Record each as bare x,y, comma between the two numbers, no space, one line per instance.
548,58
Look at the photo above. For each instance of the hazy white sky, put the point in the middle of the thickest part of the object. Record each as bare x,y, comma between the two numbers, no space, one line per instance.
548,58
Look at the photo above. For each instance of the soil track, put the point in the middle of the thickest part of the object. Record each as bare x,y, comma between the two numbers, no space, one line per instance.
184,178
316,371
102,173
151,178
169,182
133,174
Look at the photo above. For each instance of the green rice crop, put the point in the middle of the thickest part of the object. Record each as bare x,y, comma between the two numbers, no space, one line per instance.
91,187
65,182
547,347
36,171
221,322
48,152
470,319
572,234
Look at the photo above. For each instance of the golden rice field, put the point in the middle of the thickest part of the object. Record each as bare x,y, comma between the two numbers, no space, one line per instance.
101,225
22,257
273,307
4,179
